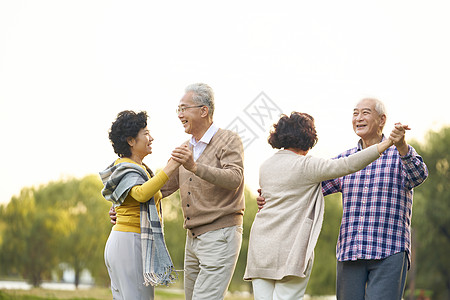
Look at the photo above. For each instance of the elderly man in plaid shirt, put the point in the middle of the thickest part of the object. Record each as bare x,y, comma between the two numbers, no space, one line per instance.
373,248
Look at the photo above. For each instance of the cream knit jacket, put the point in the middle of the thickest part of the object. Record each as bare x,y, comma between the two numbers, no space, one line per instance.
285,232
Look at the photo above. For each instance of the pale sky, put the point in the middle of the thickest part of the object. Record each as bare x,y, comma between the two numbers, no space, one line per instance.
68,67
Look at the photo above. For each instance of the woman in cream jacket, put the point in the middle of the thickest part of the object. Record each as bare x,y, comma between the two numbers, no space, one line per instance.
285,232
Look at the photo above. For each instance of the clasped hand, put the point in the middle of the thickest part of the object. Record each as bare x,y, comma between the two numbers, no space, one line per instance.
397,136
183,155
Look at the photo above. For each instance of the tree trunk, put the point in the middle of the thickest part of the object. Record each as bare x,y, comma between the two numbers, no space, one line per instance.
77,277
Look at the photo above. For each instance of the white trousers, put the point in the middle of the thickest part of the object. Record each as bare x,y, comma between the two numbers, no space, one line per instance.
288,288
209,263
123,259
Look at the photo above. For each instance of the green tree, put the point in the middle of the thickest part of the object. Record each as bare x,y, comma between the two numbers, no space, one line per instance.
431,218
65,221
2,233
85,227
28,246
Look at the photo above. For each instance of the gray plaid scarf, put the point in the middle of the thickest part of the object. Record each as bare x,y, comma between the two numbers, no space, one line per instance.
118,181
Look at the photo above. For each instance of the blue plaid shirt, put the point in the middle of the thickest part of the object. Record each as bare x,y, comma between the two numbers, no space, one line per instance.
377,205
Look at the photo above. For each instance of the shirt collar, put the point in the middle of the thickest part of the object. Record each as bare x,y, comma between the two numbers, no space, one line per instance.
359,147
206,138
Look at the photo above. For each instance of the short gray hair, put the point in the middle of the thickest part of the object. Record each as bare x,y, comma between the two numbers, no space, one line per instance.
202,95
379,106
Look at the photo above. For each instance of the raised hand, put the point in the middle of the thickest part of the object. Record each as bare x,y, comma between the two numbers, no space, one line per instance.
397,136
183,154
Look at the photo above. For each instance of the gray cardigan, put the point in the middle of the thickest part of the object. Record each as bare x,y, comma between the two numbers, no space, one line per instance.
285,232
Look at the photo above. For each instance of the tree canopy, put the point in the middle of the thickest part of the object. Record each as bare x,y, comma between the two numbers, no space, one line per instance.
431,217
62,221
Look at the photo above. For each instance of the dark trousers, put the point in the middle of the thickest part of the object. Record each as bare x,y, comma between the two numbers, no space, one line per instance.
372,279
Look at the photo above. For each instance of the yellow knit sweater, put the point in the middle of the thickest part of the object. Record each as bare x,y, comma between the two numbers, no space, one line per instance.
128,214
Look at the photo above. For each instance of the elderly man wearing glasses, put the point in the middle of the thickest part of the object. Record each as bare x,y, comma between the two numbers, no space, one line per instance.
211,183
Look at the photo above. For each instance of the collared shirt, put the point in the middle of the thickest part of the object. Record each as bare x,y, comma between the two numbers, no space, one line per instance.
200,146
377,205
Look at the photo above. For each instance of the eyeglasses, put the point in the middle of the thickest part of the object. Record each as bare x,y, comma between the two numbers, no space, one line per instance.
182,109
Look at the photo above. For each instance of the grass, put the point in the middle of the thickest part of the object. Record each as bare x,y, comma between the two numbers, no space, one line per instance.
39,294
98,293
95,293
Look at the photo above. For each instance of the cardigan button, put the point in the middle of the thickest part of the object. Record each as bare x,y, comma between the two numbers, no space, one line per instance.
188,218
190,179
189,193
193,234
187,205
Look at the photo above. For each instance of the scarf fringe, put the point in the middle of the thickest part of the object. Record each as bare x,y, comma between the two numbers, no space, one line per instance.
169,276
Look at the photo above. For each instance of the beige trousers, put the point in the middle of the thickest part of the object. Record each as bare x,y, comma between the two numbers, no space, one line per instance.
209,263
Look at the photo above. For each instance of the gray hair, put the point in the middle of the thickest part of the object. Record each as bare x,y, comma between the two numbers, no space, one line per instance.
379,106
203,95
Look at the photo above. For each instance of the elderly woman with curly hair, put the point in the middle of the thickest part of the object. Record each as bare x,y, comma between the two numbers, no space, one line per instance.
285,232
135,254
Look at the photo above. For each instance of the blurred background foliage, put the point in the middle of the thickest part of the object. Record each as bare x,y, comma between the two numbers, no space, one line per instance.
431,218
66,224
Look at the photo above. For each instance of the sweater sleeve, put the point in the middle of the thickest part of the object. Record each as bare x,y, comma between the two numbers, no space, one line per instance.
172,185
325,169
230,174
144,192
